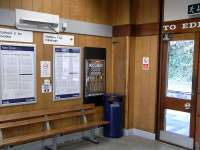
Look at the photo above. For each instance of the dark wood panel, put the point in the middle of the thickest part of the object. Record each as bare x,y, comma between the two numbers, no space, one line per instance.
147,29
136,30
123,30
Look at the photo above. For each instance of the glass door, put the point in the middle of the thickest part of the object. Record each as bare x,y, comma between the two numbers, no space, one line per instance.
178,90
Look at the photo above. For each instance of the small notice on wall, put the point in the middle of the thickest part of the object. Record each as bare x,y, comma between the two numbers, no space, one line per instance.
58,39
145,63
45,69
46,86
16,35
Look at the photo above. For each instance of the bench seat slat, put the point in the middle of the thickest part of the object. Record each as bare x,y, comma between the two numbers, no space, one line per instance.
40,113
43,119
47,134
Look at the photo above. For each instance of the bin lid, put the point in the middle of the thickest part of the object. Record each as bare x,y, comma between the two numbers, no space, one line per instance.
113,97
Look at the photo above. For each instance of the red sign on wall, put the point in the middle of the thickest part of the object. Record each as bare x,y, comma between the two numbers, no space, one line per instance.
145,63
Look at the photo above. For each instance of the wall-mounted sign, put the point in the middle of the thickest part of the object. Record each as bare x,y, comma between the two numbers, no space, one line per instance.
45,69
194,9
145,63
58,39
192,25
17,82
46,86
67,73
16,35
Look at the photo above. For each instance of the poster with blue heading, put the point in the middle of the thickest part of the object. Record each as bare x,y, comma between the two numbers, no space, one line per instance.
17,76
67,73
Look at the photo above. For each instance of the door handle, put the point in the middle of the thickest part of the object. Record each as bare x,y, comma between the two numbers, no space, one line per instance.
187,106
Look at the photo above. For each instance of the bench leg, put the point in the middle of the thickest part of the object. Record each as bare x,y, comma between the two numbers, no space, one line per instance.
7,148
54,146
91,138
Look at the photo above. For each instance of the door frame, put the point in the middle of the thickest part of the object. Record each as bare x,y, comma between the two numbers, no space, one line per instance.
161,72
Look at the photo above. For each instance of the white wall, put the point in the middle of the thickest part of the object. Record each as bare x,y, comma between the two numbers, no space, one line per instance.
177,9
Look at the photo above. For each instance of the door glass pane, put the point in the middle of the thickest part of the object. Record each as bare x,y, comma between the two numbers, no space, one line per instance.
180,69
177,122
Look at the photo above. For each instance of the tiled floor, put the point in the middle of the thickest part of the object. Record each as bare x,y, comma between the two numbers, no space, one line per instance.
125,143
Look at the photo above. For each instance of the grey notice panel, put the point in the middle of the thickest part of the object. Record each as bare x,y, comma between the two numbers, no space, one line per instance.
80,27
8,18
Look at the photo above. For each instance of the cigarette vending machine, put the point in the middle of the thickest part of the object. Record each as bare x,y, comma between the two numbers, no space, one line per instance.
94,75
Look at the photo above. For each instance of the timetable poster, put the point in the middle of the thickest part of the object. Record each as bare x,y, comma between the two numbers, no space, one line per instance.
67,84
17,74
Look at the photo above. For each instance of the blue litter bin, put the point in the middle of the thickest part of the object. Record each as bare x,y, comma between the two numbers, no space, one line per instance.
113,112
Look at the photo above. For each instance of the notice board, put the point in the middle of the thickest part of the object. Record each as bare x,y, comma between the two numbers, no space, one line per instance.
67,73
17,74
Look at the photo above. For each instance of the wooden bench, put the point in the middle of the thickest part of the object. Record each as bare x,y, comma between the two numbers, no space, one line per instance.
84,114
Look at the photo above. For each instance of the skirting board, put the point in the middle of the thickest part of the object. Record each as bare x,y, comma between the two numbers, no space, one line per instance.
140,133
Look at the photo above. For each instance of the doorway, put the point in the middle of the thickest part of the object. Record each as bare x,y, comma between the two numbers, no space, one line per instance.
178,86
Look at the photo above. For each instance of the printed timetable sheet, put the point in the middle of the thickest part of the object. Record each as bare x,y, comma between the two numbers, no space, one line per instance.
17,74
66,73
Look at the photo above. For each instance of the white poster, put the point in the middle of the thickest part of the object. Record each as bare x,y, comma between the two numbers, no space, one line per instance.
17,74
58,39
67,73
45,69
16,35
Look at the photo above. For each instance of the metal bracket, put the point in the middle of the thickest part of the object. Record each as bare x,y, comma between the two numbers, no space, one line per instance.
85,121
7,148
47,124
54,146
91,138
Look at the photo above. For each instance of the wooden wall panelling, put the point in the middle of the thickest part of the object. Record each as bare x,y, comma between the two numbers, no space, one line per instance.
105,14
48,56
27,4
120,67
37,5
120,12
57,7
47,6
15,4
145,84
147,11
65,13
4,3
41,103
197,138
92,10
78,9
86,10
131,84
197,131
126,115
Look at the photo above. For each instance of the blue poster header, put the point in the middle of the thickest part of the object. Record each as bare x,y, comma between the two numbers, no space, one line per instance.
67,96
68,50
17,48
18,101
